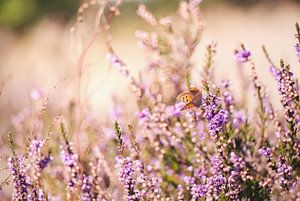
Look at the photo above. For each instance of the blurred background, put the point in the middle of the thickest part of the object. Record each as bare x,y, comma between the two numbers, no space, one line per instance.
36,54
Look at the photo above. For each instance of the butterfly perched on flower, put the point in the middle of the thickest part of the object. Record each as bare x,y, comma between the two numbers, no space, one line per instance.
192,98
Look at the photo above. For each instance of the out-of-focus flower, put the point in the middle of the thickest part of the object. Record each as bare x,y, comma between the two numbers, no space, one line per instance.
284,173
45,161
297,48
36,94
174,111
238,118
146,15
86,189
37,160
266,152
242,55
71,163
20,181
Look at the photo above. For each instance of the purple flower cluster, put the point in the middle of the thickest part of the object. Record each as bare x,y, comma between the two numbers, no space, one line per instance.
86,189
237,175
297,48
266,152
242,56
71,163
211,106
45,161
217,123
284,173
238,118
126,177
38,160
286,85
197,190
216,117
20,181
228,96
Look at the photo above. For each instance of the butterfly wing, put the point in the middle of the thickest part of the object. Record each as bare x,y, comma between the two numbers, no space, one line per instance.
197,99
187,106
194,90
185,97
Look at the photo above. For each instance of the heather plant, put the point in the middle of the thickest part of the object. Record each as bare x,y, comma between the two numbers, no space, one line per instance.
216,149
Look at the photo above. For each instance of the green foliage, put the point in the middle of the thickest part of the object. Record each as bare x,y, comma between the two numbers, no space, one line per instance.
11,143
18,14
171,160
253,191
118,133
163,45
223,197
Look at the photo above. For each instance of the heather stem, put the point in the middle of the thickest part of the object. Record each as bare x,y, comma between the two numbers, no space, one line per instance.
267,55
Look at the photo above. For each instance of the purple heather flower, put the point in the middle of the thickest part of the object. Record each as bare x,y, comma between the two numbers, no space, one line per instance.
45,161
211,104
117,63
189,180
36,147
226,83
144,116
286,85
217,123
174,110
200,173
126,177
144,113
266,152
37,195
37,160
238,162
238,118
275,72
198,191
216,165
216,184
86,189
228,97
20,182
235,175
284,173
180,193
217,181
242,55
70,161
297,48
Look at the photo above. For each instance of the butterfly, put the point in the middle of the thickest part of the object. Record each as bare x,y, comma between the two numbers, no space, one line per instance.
192,98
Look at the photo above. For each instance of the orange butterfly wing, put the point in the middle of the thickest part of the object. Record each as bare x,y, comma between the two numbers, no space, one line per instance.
187,106
194,90
186,97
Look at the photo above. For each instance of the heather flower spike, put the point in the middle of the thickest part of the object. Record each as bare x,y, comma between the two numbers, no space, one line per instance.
242,55
209,143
